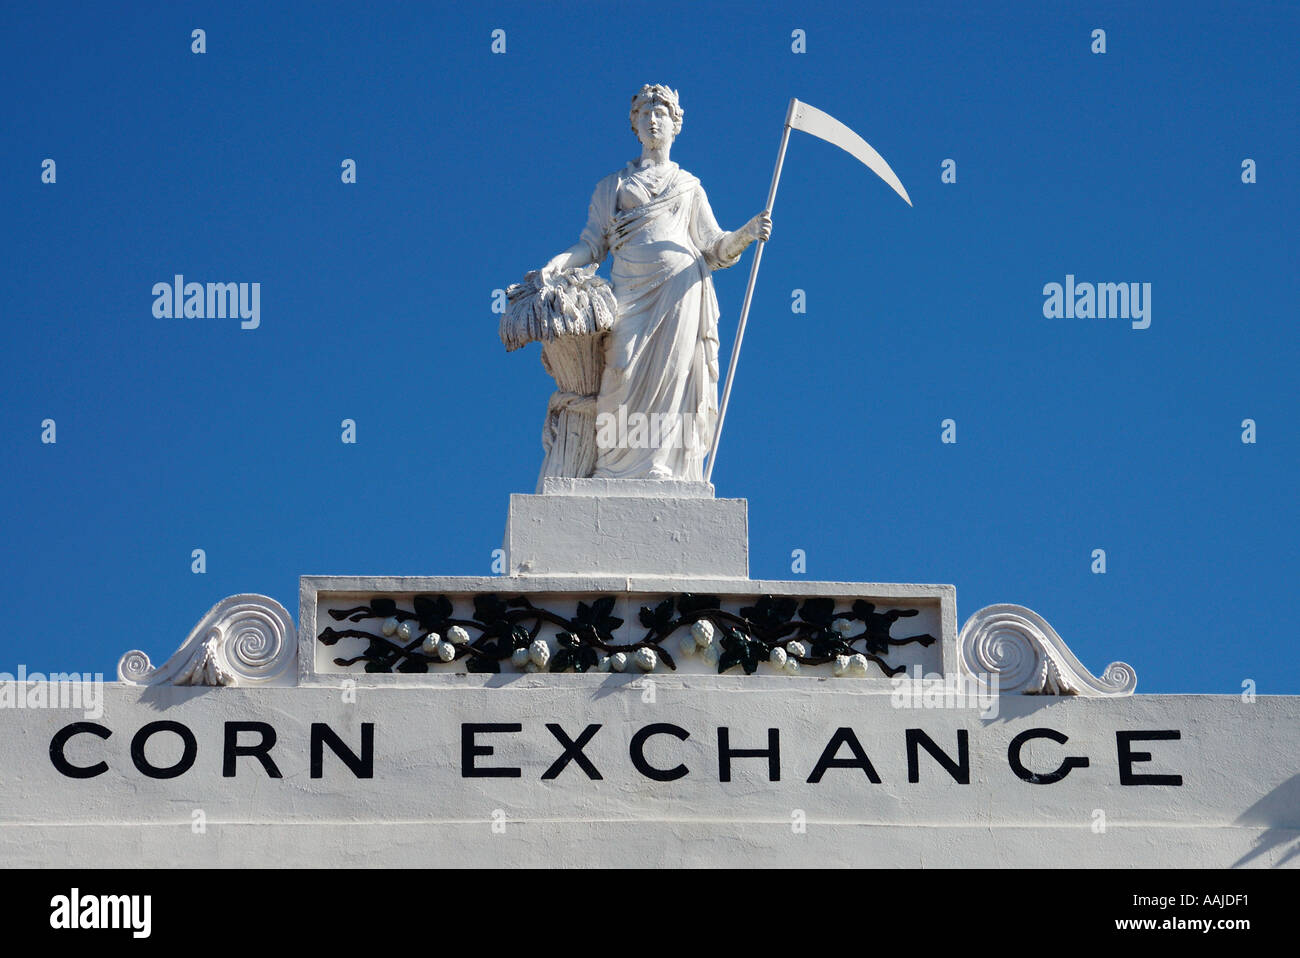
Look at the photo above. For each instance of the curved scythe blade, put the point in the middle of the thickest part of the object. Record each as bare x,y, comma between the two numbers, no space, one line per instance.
824,126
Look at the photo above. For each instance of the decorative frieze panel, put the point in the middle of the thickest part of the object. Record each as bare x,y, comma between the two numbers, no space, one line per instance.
495,633
427,630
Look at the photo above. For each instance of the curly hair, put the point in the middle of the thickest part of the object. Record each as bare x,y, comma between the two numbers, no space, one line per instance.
648,96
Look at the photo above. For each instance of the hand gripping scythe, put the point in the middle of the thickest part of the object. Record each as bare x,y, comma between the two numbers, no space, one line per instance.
800,116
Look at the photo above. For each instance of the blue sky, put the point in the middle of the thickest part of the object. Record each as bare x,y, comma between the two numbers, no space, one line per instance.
472,168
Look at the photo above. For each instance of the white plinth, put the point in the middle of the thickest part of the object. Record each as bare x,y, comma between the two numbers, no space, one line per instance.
639,488
627,527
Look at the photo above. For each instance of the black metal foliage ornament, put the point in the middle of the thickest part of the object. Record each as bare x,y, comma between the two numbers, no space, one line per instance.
505,625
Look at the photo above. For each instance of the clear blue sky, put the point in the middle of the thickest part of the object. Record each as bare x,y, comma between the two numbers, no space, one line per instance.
1073,434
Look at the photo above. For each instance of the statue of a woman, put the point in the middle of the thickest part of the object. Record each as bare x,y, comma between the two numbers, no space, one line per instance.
658,400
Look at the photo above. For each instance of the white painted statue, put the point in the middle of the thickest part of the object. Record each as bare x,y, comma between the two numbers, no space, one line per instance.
657,404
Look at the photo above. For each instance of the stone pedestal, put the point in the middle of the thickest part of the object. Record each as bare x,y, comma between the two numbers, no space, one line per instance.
627,527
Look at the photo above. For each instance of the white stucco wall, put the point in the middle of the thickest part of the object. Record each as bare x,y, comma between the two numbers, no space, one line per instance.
1238,804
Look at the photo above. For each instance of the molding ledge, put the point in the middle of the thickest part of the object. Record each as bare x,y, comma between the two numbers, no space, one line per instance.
1026,655
243,640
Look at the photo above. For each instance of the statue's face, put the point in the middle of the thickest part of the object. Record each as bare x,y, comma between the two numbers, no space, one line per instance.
654,126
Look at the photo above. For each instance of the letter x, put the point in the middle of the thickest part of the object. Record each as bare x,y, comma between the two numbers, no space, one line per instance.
572,752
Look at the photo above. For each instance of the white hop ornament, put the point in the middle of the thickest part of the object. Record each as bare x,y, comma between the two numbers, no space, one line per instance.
792,666
796,648
519,658
777,657
539,653
390,625
710,655
602,664
841,665
646,660
457,635
430,644
703,633
408,630
446,651
618,661
842,627
858,664
687,645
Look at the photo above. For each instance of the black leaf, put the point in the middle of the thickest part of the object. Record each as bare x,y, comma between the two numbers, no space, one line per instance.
479,663
863,610
827,642
688,603
597,618
498,640
658,619
489,608
433,613
818,612
770,612
739,649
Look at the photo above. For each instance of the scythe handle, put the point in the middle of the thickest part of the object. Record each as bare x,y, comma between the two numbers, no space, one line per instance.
749,295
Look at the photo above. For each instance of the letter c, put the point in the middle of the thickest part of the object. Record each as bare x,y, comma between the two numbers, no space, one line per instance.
635,749
60,741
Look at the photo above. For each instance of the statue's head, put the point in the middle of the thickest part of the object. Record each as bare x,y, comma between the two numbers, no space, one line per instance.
651,100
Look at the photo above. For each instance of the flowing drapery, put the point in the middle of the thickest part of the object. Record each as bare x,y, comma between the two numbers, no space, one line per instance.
658,401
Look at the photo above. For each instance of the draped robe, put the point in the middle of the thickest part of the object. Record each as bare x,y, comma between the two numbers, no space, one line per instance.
661,357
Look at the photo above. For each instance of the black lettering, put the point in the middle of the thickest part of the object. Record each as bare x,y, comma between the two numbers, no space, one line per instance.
60,741
828,759
726,753
572,751
1044,778
959,770
469,750
183,765
361,766
637,746
260,751
1127,757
